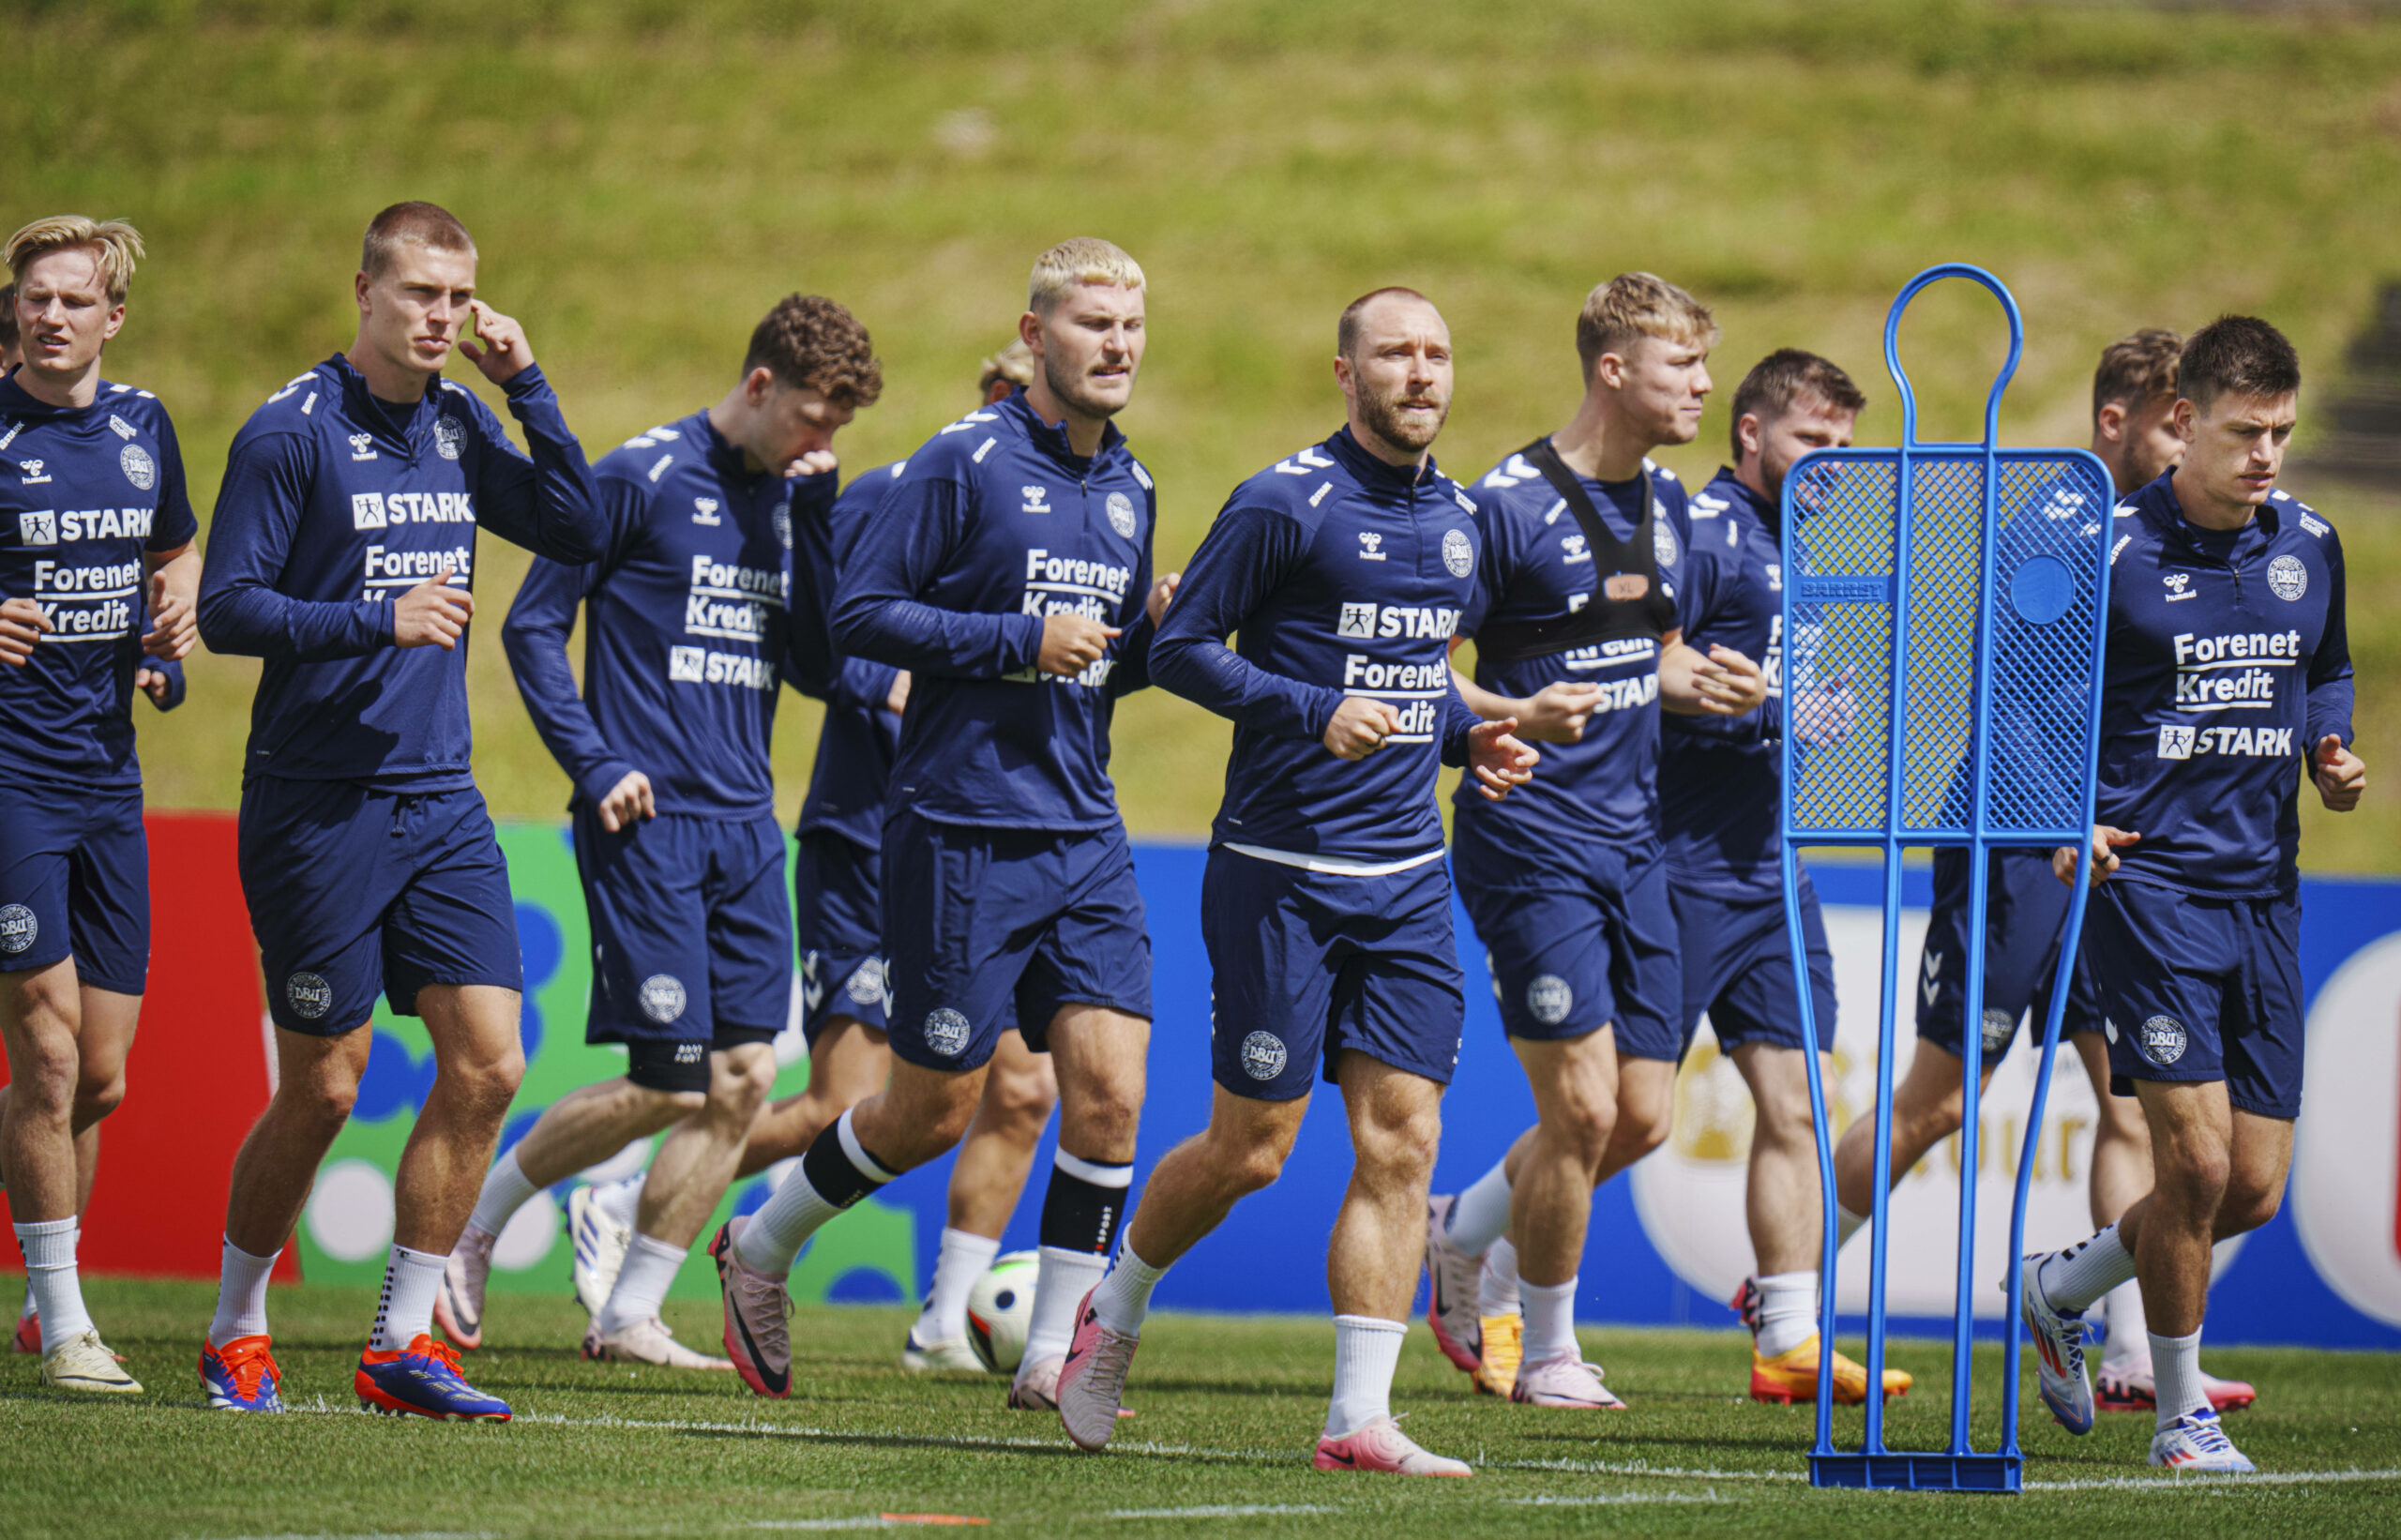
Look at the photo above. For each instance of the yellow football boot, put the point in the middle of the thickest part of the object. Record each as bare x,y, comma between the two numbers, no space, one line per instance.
1496,1369
1791,1377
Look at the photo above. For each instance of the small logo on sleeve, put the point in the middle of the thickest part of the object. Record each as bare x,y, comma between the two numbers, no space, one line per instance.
662,998
19,928
1459,553
135,461
1263,1056
309,995
946,1032
2287,579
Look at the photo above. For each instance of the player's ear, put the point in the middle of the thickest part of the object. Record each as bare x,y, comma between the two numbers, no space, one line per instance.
1029,331
2111,421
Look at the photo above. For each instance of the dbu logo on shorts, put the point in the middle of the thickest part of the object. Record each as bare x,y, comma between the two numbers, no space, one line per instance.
867,983
2162,1041
1999,1024
1263,1055
662,998
18,929
309,995
946,1032
1548,999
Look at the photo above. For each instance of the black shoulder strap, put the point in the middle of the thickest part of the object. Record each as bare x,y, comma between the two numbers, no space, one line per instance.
1640,610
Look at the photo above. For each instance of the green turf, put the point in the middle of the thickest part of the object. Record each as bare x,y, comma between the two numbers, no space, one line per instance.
644,179
1228,1409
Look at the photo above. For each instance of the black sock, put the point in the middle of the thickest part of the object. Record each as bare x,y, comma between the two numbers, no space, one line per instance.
1085,1205
839,1170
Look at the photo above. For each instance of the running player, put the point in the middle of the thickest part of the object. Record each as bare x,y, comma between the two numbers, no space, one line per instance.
1720,801
341,553
1581,639
2133,435
1008,569
97,525
1344,571
2227,679
686,646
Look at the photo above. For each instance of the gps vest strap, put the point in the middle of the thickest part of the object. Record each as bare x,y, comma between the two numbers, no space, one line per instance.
1628,599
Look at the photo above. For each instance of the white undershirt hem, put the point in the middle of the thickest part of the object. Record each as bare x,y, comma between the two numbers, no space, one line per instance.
1334,864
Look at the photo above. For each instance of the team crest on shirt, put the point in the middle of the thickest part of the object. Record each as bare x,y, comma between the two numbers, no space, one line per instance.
1548,999
1263,1056
447,436
662,998
783,524
946,1032
1459,553
19,927
139,468
1121,514
2162,1041
309,995
1663,543
2287,578
867,983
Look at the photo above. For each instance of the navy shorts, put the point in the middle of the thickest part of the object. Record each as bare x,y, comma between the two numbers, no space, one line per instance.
992,929
1304,964
2025,907
75,881
1578,939
2200,990
1738,968
355,892
691,933
837,912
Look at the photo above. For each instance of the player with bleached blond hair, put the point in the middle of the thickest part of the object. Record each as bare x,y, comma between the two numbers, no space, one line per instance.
95,534
1008,569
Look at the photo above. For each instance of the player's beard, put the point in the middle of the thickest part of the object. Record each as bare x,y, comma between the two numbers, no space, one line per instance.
1069,388
1408,433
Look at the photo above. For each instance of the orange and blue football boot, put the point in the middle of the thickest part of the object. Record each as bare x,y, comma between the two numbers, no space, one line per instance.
422,1381
241,1376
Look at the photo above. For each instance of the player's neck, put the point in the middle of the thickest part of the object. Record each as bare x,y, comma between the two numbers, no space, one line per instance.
1747,472
1599,442
2202,511
1083,431
2115,463
71,391
386,381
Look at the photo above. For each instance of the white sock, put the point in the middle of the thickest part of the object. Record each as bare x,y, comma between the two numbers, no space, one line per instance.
241,1294
1366,1352
1496,1284
505,1191
1060,1285
2176,1363
1847,1224
1550,1321
2074,1278
1480,1214
963,1260
29,1299
620,1200
50,1271
1787,1312
643,1282
405,1311
2128,1349
776,1233
1124,1297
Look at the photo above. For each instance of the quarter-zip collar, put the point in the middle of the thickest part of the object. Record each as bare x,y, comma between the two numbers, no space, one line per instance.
373,414
1377,476
1051,438
725,455
1768,514
2167,515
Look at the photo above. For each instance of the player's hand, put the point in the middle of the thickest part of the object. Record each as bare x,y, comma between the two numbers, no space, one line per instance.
1823,713
157,684
20,623
2341,775
1072,644
1557,712
1727,683
627,800
1360,726
898,701
495,343
433,613
1498,759
2106,841
1161,592
174,621
815,462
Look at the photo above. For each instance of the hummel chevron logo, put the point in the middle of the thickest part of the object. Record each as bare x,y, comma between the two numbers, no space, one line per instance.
1511,473
962,423
1302,463
1932,985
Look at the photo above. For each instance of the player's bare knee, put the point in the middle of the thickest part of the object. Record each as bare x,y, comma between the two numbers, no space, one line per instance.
2196,1175
98,1096
1020,1096
1401,1148
1583,1124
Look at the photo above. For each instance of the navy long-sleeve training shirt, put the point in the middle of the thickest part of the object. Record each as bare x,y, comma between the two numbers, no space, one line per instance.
336,503
87,494
859,739
994,525
1337,574
2227,660
686,630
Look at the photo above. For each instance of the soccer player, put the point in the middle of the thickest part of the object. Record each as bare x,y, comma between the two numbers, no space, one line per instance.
1344,571
686,646
98,529
2133,435
342,553
2228,681
1720,801
1008,569
1582,641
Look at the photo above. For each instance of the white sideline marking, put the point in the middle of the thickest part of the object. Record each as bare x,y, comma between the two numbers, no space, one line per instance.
2265,1478
1221,1510
1615,1499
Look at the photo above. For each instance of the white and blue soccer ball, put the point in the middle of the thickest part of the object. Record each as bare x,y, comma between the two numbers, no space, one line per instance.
999,1309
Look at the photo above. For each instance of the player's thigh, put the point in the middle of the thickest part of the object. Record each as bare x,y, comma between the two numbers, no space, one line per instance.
1546,943
104,1037
962,911
1095,950
1400,997
749,932
322,864
1271,978
2170,967
1024,1085
109,897
39,832
848,1062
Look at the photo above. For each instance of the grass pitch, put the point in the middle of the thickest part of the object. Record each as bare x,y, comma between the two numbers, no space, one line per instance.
1227,1411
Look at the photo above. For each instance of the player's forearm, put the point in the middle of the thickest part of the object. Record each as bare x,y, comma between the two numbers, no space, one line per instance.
1460,718
1213,675
550,507
252,620
1487,704
924,639
1680,670
538,660
1133,669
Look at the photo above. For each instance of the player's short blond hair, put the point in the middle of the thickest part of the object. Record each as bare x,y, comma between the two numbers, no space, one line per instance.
1633,305
1014,363
1069,265
114,245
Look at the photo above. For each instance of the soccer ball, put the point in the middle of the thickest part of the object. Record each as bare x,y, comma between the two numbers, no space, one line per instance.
999,1307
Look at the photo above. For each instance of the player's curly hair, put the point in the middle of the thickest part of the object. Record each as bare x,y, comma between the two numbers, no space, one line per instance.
8,317
428,226
2136,371
1633,305
1014,363
114,245
2237,355
809,342
1786,376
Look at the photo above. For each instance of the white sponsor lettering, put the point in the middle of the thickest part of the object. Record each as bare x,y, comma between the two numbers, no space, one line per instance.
2178,742
1361,672
702,666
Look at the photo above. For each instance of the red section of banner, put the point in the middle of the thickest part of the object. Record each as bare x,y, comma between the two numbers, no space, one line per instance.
197,1078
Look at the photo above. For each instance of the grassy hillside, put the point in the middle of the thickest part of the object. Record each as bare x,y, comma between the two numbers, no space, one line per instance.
644,181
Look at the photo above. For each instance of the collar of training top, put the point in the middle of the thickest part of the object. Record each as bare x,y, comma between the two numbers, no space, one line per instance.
1730,485
373,413
1052,439
2157,506
1378,474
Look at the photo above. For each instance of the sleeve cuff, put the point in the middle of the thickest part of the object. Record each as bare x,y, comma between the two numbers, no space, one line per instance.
594,784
